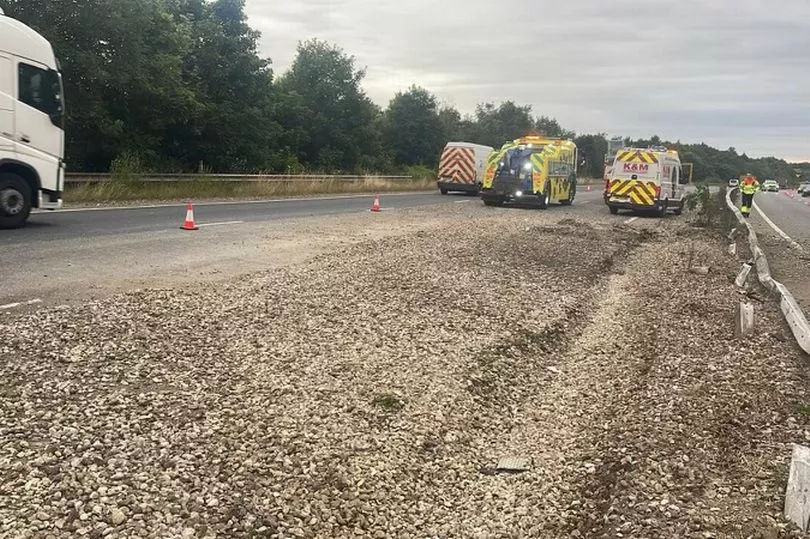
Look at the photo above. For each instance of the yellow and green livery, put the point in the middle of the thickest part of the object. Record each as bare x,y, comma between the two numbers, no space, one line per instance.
533,170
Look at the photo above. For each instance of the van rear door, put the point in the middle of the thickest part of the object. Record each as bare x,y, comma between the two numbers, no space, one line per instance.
635,178
457,165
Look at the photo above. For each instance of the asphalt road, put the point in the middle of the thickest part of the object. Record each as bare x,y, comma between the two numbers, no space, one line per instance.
79,255
89,223
788,249
788,211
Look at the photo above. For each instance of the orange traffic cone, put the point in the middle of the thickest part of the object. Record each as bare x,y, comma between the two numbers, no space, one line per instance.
189,224
376,206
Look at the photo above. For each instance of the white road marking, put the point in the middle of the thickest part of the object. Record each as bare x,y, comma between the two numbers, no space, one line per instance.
224,203
223,223
19,304
462,201
776,228
631,220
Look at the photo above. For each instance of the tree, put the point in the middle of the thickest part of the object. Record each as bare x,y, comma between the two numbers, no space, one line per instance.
236,127
552,128
336,116
413,129
497,125
167,84
592,149
122,66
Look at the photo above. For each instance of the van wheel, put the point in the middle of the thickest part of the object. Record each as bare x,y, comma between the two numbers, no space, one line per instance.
571,194
15,201
678,210
662,211
443,191
545,197
492,203
613,210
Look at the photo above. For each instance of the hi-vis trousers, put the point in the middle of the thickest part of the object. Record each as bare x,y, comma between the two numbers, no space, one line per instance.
747,202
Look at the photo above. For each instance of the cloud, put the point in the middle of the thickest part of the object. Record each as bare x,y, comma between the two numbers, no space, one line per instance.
727,73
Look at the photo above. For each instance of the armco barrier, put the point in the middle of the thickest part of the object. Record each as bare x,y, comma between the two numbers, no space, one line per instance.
95,178
790,309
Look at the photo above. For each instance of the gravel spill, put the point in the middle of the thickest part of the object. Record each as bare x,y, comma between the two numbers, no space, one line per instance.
372,391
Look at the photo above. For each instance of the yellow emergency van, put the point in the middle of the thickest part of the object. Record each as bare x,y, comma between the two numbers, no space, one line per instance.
533,170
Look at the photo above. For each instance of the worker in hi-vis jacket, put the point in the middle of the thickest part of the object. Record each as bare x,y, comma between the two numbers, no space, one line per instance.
748,187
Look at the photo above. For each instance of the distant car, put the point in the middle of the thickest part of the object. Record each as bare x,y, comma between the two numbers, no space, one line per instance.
733,182
804,190
770,185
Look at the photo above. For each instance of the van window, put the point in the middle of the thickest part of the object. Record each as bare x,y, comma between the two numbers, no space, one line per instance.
40,88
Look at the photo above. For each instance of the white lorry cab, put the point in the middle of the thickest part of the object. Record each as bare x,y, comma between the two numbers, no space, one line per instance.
32,136
646,180
462,166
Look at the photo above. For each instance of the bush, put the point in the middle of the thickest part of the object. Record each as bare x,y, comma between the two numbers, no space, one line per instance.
419,172
126,166
709,209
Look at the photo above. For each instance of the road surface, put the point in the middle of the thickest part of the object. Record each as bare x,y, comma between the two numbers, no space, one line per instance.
781,219
62,257
95,222
789,212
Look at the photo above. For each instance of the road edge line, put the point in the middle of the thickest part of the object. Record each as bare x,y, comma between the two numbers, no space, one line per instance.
778,230
794,316
224,203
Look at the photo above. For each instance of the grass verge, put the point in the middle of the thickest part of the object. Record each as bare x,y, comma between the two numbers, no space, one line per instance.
124,191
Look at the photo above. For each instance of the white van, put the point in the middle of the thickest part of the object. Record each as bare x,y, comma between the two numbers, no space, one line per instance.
32,136
646,179
462,167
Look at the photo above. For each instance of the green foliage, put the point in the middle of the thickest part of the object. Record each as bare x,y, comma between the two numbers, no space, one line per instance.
497,125
412,128
591,150
713,165
707,208
165,85
334,118
552,128
126,166
420,172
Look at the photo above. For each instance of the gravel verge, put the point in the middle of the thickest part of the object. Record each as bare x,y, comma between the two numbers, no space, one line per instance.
371,391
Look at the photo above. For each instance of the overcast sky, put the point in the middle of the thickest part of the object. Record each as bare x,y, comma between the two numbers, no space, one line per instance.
725,72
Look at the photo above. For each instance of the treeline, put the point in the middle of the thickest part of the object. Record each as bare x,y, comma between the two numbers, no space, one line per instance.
721,165
178,85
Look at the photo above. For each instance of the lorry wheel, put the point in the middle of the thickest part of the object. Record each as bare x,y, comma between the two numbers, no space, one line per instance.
15,201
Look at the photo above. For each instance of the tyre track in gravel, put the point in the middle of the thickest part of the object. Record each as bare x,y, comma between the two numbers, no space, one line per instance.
369,392
673,448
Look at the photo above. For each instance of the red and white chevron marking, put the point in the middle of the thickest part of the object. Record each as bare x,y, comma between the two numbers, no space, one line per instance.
457,165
